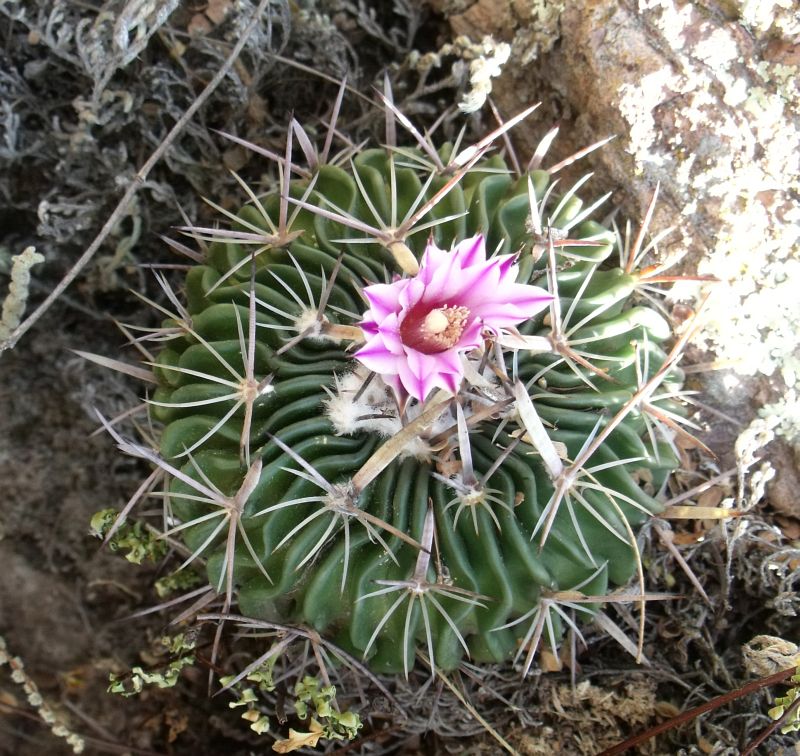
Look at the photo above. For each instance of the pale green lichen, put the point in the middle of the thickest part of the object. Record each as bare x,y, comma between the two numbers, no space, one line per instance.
752,479
487,64
787,413
636,104
538,32
783,704
783,79
476,64
771,16
14,304
35,699
180,647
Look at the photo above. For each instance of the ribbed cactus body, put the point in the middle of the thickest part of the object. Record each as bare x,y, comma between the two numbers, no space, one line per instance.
497,560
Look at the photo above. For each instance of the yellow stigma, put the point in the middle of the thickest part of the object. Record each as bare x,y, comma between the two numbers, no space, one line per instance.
442,328
436,322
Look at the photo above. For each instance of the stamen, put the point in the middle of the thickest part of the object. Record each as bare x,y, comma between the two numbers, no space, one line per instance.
436,331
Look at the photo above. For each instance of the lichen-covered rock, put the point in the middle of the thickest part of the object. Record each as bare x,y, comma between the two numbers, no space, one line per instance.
704,100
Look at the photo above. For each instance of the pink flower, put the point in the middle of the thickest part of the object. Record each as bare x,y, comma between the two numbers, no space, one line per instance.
417,328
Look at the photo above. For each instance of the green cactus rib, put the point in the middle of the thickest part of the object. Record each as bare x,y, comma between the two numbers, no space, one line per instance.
488,569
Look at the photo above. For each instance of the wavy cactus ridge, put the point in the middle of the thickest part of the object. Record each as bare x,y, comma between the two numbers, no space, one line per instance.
352,563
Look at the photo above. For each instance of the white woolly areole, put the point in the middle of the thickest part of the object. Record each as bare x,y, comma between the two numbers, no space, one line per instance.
308,323
375,411
306,320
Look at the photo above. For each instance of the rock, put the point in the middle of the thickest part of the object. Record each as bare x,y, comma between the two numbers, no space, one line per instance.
783,490
705,102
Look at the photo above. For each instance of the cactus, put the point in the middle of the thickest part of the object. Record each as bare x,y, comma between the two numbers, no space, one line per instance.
470,522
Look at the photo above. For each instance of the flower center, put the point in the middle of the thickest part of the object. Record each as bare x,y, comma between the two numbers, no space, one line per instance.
436,331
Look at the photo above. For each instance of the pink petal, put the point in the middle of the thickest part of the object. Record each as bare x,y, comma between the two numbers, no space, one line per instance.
471,338
383,298
432,370
376,357
480,290
508,267
389,331
369,326
449,361
416,386
445,282
450,382
411,294
432,260
518,301
453,287
471,251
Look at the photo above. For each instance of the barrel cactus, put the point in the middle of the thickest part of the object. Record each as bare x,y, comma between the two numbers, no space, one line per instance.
414,400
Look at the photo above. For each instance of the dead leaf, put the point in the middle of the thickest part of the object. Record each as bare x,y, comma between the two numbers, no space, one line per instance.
449,467
217,10
257,111
549,662
74,680
705,745
235,158
198,26
177,722
684,538
297,740
710,498
789,527
666,709
767,654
